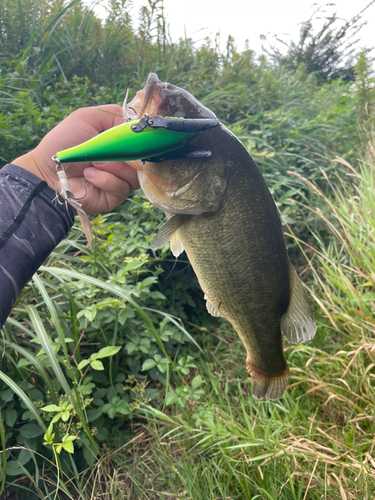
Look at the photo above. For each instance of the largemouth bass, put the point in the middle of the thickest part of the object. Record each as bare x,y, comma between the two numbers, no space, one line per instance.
221,212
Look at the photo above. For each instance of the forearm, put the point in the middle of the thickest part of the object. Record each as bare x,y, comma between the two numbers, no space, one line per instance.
31,225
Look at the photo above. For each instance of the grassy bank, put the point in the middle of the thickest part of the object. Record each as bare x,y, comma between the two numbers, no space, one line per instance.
318,442
216,442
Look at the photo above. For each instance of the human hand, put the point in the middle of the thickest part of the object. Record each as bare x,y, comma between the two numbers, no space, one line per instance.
107,184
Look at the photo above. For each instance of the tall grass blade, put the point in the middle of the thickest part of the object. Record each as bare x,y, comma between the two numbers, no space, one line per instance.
55,317
32,27
21,394
50,28
22,21
38,365
46,344
21,327
173,320
4,458
74,324
116,290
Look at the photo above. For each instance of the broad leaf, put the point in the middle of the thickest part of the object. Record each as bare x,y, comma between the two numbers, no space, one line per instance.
148,364
97,365
31,430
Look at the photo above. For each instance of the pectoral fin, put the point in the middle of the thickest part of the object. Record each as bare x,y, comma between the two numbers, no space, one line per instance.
168,230
298,323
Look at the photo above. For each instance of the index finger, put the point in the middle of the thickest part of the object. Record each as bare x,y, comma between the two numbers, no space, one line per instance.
99,117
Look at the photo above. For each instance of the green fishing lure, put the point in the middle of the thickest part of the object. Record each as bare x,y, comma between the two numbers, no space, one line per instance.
140,139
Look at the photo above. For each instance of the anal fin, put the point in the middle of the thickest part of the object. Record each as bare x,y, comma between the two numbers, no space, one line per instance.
176,245
214,311
298,323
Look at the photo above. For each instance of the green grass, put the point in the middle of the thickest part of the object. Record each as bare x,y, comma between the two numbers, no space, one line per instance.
315,441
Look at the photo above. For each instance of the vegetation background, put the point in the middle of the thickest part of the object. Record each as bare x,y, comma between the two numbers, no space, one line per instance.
114,381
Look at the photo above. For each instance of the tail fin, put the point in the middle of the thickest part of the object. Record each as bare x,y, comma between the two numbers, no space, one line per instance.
265,385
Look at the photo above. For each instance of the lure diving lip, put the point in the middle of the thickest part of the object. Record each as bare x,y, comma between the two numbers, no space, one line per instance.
148,137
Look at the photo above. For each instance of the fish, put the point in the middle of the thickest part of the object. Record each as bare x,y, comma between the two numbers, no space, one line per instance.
221,212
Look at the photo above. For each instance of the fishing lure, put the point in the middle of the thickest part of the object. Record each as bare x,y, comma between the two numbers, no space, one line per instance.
138,139
151,139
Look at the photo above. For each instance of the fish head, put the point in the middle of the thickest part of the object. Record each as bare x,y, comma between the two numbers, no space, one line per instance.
180,185
165,99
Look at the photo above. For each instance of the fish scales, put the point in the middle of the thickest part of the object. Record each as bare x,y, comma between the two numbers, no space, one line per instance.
221,212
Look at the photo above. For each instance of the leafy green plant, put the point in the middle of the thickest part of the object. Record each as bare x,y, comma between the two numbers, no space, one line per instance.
181,394
66,442
93,360
87,381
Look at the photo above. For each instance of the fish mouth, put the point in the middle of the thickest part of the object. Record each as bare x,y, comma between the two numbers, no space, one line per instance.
147,100
152,96
164,99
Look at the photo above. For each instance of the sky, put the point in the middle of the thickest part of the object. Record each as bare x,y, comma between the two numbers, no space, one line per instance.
249,19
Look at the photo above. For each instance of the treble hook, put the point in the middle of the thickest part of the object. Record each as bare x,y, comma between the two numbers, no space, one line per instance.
66,194
81,197
64,183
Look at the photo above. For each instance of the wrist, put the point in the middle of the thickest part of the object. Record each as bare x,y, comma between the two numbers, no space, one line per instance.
28,162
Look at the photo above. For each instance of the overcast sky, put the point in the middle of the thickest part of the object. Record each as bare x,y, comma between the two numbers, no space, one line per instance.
249,19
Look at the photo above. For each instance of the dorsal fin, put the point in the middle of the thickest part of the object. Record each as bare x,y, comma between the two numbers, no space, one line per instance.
298,323
167,231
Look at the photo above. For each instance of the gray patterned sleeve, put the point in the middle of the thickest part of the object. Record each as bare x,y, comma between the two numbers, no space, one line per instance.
31,225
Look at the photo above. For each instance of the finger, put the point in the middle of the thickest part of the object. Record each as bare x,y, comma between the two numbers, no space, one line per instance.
111,184
99,117
121,170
